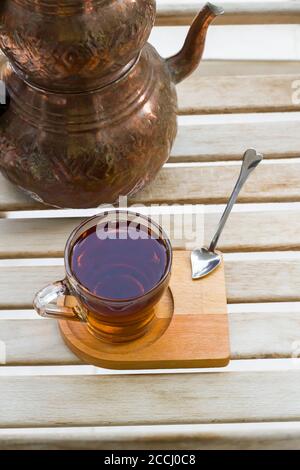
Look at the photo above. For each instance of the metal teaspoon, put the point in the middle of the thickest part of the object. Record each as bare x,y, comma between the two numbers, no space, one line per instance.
204,260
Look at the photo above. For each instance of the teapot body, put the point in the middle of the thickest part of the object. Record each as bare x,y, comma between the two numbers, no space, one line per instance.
74,45
91,113
84,149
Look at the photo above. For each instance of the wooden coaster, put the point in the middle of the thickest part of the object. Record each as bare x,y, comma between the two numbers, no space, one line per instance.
190,328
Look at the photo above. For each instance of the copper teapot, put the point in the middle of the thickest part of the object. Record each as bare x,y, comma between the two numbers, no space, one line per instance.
74,44
86,146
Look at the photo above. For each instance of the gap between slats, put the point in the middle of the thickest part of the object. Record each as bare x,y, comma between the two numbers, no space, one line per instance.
210,183
265,308
83,370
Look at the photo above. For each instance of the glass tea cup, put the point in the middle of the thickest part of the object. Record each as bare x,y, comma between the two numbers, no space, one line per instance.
118,266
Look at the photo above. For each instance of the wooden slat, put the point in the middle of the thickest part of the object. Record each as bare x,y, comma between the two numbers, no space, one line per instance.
252,12
35,237
249,278
260,229
264,331
12,198
273,181
33,342
149,399
212,183
263,279
225,94
256,227
216,138
259,331
248,436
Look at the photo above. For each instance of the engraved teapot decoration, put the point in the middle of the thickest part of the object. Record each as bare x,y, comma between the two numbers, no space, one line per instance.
92,106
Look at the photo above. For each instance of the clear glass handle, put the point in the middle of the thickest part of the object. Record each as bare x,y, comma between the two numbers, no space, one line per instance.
55,301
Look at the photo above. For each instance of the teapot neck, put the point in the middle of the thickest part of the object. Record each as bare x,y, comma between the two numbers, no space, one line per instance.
185,62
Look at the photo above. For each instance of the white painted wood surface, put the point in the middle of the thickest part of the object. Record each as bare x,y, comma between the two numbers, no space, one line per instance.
210,183
240,96
226,94
188,398
45,237
257,331
245,436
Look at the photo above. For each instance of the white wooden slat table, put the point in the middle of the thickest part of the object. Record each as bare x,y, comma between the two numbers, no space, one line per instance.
49,399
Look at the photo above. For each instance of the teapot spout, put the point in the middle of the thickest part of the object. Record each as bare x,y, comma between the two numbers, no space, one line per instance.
186,61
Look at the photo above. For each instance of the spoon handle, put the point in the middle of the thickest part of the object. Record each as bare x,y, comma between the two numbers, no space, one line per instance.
250,161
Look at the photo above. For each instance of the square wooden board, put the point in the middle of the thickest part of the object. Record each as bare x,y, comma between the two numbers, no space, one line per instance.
196,336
